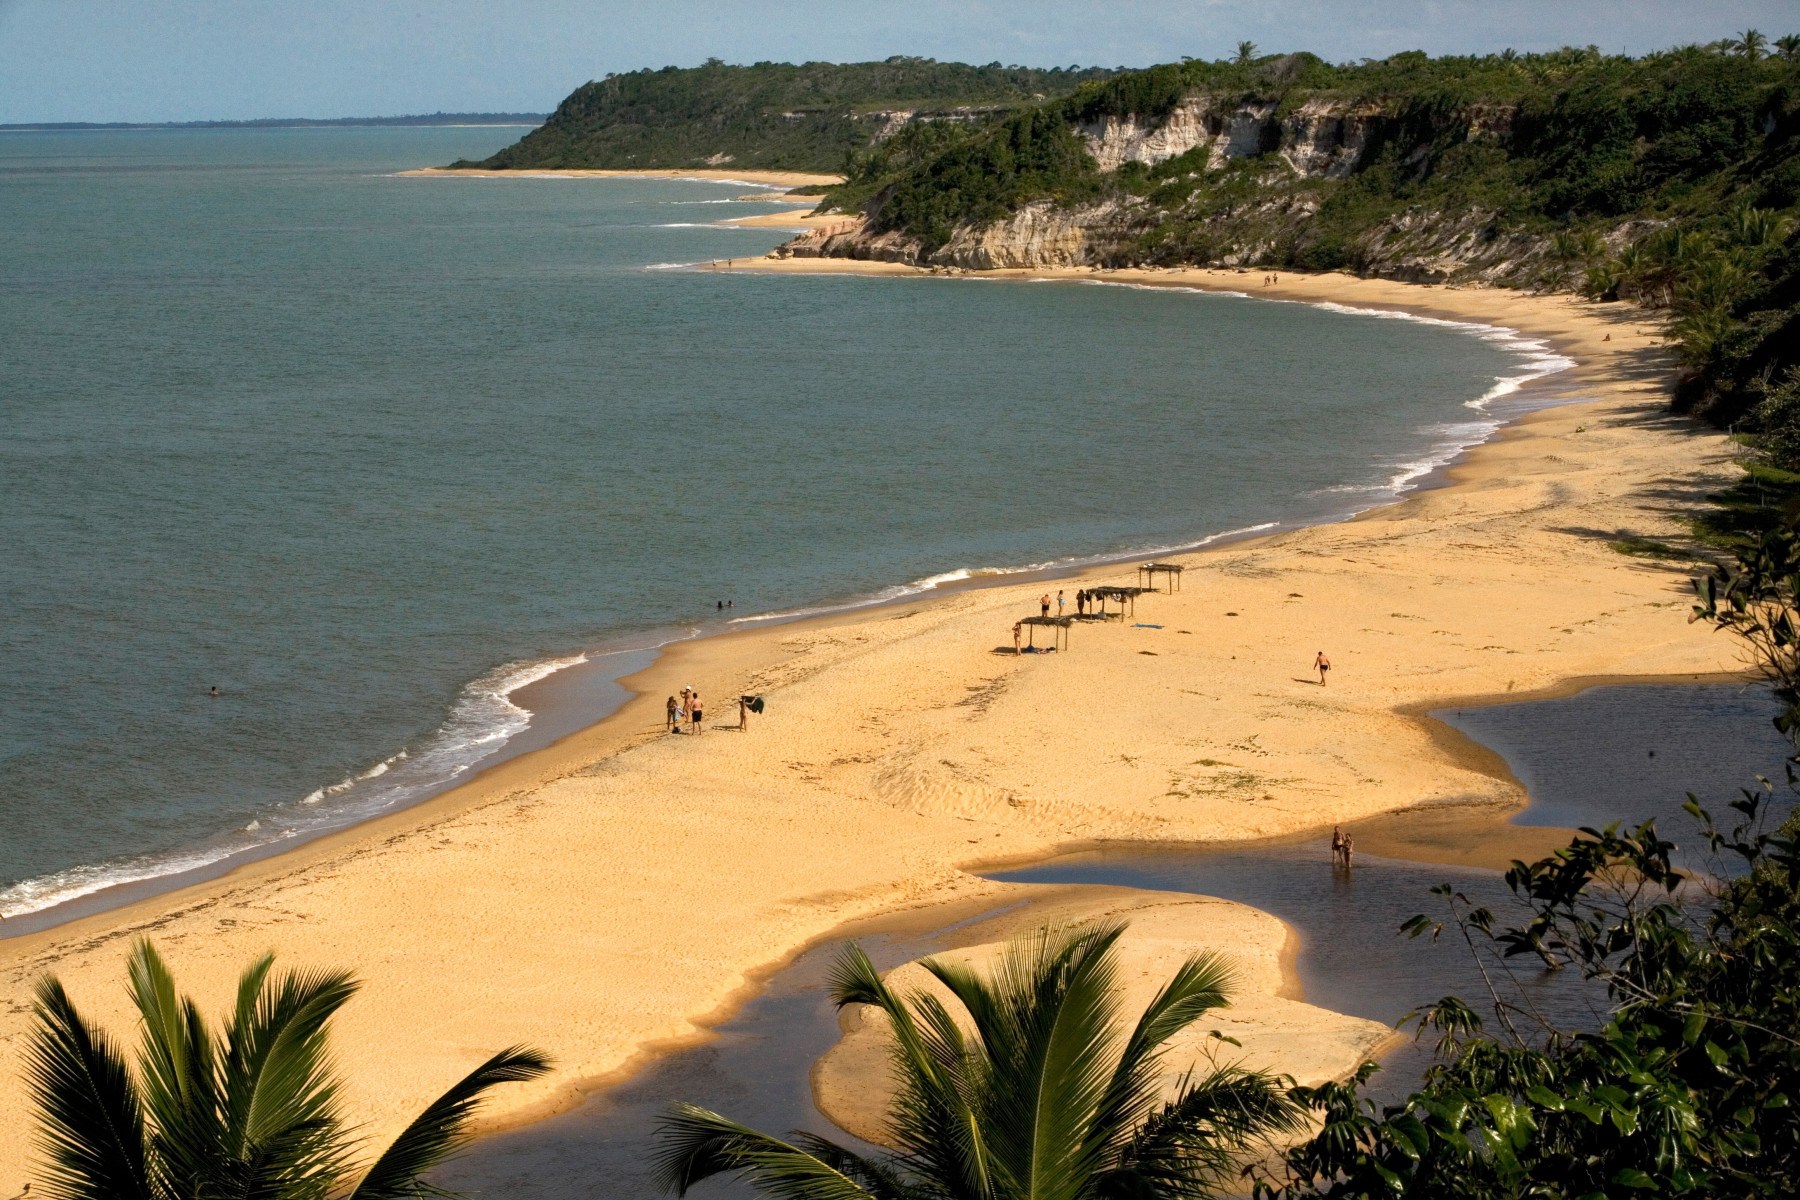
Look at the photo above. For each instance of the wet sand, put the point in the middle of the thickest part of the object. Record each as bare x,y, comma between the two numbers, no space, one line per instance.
613,891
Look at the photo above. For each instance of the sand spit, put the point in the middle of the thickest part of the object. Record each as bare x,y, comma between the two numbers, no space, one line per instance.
784,179
1277,1031
602,895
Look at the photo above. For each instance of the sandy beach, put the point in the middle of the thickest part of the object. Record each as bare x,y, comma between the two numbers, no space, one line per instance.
602,897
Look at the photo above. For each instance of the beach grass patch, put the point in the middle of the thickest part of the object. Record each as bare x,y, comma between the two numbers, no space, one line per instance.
1643,547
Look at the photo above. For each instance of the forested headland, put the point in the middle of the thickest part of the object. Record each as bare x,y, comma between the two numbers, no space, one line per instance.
771,116
1671,180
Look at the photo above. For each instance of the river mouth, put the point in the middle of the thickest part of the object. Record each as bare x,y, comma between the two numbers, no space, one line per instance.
1606,753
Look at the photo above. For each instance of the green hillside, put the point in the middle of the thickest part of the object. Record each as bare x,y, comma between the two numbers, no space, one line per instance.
771,116
1672,179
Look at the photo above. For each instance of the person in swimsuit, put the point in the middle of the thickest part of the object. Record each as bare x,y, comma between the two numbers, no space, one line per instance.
694,711
1018,632
1337,844
674,716
1044,605
1321,664
1059,602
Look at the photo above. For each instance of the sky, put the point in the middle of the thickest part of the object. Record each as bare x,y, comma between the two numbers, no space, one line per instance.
184,60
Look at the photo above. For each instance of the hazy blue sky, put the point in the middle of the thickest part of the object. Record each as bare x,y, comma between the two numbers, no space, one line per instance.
161,60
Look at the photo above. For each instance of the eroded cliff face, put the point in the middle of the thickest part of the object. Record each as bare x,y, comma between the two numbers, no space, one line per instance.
1321,138
1038,235
1289,153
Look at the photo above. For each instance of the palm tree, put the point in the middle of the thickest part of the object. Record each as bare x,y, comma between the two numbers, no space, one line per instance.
251,1111
1043,1098
1751,44
1788,46
1246,53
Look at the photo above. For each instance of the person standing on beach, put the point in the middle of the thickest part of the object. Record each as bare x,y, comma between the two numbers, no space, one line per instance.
1018,632
694,711
674,715
1044,605
1321,664
1337,844
1059,602
743,714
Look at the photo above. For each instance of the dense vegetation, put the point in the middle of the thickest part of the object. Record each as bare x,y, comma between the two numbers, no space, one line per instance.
1672,180
772,116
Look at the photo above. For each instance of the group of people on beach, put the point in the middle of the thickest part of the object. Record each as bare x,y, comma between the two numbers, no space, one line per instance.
688,710
1342,845
1084,600
1270,280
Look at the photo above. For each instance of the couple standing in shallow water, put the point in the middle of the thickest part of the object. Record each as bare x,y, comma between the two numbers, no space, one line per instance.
688,709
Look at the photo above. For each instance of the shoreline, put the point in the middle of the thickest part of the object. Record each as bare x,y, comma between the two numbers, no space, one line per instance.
879,835
546,724
787,180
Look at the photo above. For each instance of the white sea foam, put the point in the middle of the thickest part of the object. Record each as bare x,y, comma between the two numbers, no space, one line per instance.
1158,287
483,718
964,574
682,266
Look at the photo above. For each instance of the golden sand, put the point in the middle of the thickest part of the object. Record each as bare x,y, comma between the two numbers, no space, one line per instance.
605,894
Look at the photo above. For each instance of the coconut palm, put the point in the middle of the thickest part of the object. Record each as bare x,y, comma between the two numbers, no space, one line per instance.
1750,43
1246,53
1788,46
253,1110
1038,1093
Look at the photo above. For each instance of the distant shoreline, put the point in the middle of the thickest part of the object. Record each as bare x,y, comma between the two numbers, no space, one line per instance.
783,179
448,120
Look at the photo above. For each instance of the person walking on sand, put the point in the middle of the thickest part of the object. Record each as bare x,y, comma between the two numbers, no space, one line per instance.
1018,632
674,715
694,711
1044,605
1322,665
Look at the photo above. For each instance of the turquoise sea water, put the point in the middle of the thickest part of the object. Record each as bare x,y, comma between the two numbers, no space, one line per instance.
366,452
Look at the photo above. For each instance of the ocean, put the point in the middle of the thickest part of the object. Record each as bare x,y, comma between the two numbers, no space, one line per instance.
368,453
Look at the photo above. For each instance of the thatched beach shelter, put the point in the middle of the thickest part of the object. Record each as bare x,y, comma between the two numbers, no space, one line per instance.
1148,572
1059,627
1126,597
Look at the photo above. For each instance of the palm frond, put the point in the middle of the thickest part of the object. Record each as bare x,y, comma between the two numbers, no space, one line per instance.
1196,1140
1070,1067
696,1144
934,1116
280,1094
880,1179
442,1129
178,1079
92,1133
1201,984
